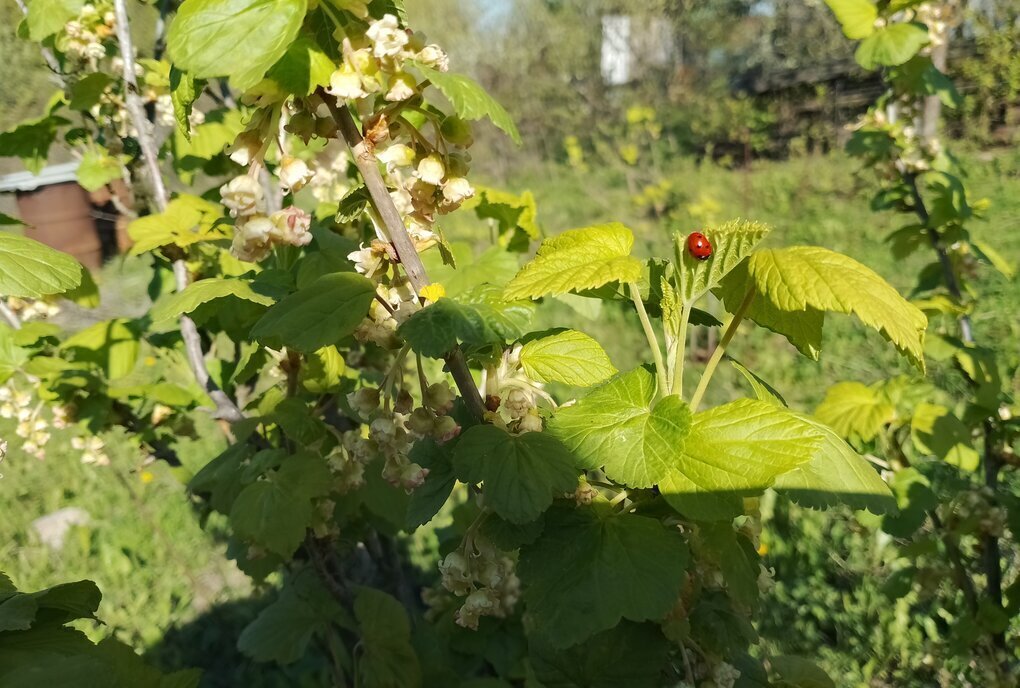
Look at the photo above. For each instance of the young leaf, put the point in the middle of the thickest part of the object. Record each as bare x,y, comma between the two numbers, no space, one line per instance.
891,45
183,92
522,473
187,220
578,259
731,243
570,357
855,411
240,39
470,101
857,17
319,315
388,659
98,168
762,390
616,428
802,277
29,269
175,305
592,568
836,474
733,451
47,17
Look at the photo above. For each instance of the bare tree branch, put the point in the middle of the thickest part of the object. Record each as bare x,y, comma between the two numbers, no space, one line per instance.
407,254
225,406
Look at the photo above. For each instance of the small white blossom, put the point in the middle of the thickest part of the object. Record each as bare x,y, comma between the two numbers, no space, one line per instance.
431,170
293,173
457,190
435,57
243,196
387,36
402,87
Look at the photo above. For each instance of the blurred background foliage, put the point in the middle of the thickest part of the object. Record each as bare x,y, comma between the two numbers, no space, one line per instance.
730,108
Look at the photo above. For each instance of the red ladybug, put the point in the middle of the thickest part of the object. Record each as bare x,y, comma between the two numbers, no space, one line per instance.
699,246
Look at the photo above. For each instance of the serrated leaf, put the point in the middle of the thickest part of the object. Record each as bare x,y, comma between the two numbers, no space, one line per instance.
183,93
836,474
733,451
493,266
175,305
474,318
802,277
615,427
239,39
855,411
570,357
592,568
282,631
522,473
731,243
319,315
98,168
29,269
935,430
388,660
470,101
187,220
578,259
857,17
891,45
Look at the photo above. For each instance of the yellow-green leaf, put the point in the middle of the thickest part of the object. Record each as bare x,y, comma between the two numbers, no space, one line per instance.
570,357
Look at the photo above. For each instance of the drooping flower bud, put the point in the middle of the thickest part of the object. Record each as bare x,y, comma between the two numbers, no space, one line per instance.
243,196
293,173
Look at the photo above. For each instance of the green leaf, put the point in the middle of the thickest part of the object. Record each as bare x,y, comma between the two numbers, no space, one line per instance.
735,558
388,660
616,428
857,17
836,474
762,390
17,612
991,256
797,672
935,430
303,68
67,602
733,451
29,269
47,17
570,357
282,631
802,277
855,411
493,266
173,306
88,90
592,568
476,318
112,345
631,655
85,294
275,512
8,221
31,141
522,473
731,243
470,101
892,45
98,168
515,215
184,91
240,39
427,500
208,140
576,260
319,315
187,220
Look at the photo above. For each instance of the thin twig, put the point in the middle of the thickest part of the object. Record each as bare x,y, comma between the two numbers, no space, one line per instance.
225,406
407,254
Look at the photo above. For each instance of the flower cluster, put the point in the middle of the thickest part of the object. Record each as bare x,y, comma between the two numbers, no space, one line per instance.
396,303
255,232
484,576
28,309
509,389
93,450
388,436
33,424
84,37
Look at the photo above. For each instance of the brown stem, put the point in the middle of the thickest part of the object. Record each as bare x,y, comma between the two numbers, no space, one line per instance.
407,254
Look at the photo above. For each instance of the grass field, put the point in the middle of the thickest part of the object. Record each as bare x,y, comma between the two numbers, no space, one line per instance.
160,570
